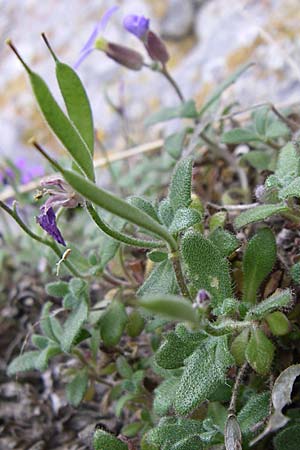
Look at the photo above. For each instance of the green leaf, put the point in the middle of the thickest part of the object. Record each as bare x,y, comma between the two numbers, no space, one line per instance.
73,325
174,143
57,289
160,281
278,323
260,119
258,214
288,163
76,389
205,370
132,429
144,205
295,273
206,267
61,125
225,242
181,184
255,410
39,341
171,430
189,443
41,362
103,440
217,220
291,190
270,304
49,324
77,103
157,256
112,323
183,219
123,367
164,396
187,111
23,363
177,346
259,159
239,136
78,287
277,129
170,306
239,345
288,439
223,86
135,324
259,259
260,352
166,212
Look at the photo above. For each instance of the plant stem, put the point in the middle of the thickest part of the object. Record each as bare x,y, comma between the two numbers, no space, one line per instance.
164,71
179,275
238,380
117,235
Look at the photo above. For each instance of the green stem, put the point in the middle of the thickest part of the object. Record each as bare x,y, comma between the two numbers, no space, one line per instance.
14,214
122,237
179,275
166,74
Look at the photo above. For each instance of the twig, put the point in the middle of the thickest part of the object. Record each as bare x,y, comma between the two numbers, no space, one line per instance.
238,380
233,207
179,275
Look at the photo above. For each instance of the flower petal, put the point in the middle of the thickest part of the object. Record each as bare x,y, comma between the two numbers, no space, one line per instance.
137,25
47,221
100,26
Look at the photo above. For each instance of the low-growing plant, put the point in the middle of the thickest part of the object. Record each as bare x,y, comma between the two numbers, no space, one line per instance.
215,326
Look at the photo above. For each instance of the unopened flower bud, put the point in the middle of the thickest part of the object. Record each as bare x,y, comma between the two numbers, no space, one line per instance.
202,299
156,48
260,192
123,55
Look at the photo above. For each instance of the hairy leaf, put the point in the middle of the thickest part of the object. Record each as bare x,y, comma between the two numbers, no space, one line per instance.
164,396
258,261
23,363
112,323
260,352
288,439
225,242
73,325
239,136
187,110
183,219
76,389
57,289
204,371
181,184
160,281
276,301
258,214
206,266
103,440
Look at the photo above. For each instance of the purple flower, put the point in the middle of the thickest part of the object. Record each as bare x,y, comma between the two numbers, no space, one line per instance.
60,193
89,46
27,171
137,25
47,221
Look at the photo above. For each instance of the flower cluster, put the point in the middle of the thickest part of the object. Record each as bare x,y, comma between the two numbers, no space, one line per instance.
60,195
138,26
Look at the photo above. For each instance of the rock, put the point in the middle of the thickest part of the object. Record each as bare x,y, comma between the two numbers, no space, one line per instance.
179,19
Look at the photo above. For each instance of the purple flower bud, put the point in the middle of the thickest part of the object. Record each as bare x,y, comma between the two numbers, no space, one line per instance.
125,56
47,221
156,48
260,192
202,299
137,25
